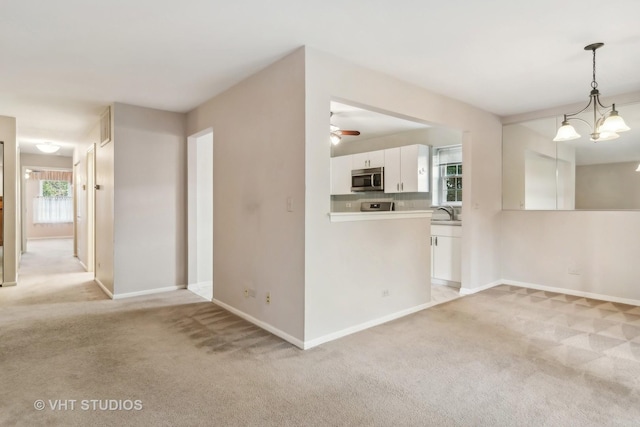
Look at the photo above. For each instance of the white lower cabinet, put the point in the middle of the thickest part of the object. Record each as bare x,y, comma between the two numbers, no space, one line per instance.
446,252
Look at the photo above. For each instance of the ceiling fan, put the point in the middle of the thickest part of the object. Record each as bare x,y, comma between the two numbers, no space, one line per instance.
336,133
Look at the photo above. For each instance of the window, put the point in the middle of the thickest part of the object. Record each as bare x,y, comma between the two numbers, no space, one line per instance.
54,203
447,175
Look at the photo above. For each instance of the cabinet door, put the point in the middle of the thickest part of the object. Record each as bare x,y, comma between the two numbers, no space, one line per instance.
446,258
360,160
376,159
341,175
414,162
392,170
370,159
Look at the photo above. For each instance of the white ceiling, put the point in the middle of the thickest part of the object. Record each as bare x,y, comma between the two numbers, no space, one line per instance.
370,124
64,60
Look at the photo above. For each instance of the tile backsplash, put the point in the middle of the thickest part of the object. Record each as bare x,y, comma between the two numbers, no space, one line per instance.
402,201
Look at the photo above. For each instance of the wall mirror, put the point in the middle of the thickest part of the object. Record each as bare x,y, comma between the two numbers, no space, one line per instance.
540,174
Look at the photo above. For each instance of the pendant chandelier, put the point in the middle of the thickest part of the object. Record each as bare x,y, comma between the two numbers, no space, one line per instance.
606,124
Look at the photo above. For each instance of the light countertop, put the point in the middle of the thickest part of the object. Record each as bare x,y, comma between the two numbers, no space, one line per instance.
373,216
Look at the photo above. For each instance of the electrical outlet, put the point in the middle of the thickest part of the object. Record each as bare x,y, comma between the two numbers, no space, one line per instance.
348,204
268,297
385,293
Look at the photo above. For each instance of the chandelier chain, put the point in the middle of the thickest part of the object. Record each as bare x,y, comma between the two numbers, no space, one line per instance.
594,83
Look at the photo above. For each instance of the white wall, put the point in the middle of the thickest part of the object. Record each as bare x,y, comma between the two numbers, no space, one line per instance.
104,211
11,169
149,199
341,285
543,248
258,164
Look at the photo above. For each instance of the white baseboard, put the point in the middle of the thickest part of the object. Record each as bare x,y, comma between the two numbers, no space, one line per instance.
7,284
103,287
366,325
148,292
469,291
267,327
572,292
200,286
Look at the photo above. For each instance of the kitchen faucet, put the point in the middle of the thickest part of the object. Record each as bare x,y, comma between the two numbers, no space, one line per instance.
449,210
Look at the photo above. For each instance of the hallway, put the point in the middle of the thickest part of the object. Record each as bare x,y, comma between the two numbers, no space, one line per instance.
50,273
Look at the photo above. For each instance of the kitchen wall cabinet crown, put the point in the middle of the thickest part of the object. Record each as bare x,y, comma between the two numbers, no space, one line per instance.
370,159
406,169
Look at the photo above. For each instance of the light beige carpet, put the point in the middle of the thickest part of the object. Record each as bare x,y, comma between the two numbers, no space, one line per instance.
506,356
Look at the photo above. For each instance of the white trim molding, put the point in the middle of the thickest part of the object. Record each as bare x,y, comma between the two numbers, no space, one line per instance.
470,291
259,323
361,327
149,292
7,284
572,292
103,287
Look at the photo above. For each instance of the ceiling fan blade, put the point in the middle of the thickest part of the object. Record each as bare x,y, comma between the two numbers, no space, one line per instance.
349,132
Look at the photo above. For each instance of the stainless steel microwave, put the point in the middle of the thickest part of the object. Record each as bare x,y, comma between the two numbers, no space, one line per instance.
371,179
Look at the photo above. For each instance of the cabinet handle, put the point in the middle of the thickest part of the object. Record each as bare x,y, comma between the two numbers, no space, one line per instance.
398,187
431,240
436,240
402,186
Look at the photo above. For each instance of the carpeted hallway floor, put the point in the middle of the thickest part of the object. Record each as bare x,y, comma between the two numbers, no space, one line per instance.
506,356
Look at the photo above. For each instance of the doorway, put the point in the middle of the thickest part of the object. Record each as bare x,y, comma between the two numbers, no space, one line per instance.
200,213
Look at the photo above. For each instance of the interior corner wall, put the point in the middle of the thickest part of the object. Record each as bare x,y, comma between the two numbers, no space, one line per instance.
259,194
149,200
329,306
11,170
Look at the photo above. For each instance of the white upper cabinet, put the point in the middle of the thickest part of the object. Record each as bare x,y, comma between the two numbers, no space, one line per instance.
371,159
341,175
406,169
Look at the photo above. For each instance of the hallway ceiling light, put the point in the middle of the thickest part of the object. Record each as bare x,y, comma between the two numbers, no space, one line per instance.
605,126
48,147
